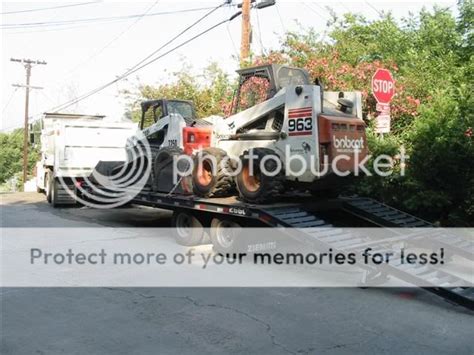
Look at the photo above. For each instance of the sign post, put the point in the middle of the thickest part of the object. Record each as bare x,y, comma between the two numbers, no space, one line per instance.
383,89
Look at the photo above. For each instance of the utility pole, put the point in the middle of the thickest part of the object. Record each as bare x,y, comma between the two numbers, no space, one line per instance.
246,35
28,64
246,32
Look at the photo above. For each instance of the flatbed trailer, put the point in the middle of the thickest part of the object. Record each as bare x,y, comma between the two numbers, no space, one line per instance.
306,214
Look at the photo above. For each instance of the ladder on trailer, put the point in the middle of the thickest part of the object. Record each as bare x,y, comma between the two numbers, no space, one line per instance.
387,216
318,233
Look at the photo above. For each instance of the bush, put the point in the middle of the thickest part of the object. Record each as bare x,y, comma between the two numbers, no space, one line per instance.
384,189
11,155
441,169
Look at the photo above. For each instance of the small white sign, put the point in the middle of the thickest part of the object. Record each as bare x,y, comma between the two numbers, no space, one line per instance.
382,124
384,109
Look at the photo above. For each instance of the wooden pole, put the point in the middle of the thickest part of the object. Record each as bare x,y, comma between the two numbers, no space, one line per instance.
28,65
246,30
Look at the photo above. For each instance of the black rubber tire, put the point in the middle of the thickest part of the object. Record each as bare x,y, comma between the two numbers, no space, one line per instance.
54,193
270,187
162,160
49,186
221,183
226,244
188,230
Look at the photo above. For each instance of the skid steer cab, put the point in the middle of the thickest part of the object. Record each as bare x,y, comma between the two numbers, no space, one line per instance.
172,123
168,129
169,124
285,132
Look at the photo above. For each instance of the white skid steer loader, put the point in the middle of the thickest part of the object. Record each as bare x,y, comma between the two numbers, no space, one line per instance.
168,129
324,129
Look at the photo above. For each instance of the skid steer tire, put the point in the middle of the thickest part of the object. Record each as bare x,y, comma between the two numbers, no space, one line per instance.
209,181
162,168
260,188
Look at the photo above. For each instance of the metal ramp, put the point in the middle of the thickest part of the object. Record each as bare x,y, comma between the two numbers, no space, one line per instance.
316,232
386,216
381,214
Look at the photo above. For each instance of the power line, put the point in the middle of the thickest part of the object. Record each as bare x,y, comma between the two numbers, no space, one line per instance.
143,66
178,35
380,13
313,10
262,47
128,72
47,97
138,67
96,19
232,41
72,27
49,8
281,19
321,7
344,6
153,53
108,44
9,99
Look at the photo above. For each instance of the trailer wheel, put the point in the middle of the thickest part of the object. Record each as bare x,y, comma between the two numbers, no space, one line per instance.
188,230
210,176
225,235
257,187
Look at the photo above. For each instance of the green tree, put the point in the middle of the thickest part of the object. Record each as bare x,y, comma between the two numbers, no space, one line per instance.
11,155
441,174
210,92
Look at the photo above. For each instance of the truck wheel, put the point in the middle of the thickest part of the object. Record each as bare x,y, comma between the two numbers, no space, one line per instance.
49,186
54,194
225,236
188,230
52,190
209,180
259,187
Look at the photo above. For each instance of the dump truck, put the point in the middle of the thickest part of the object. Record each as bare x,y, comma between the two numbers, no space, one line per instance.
71,145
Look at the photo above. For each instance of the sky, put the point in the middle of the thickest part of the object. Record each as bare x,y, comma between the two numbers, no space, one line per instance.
83,54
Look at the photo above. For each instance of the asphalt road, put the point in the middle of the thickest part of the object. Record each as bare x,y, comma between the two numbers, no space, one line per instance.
222,320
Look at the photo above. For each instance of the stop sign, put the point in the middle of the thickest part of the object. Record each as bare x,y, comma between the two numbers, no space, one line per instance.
383,86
